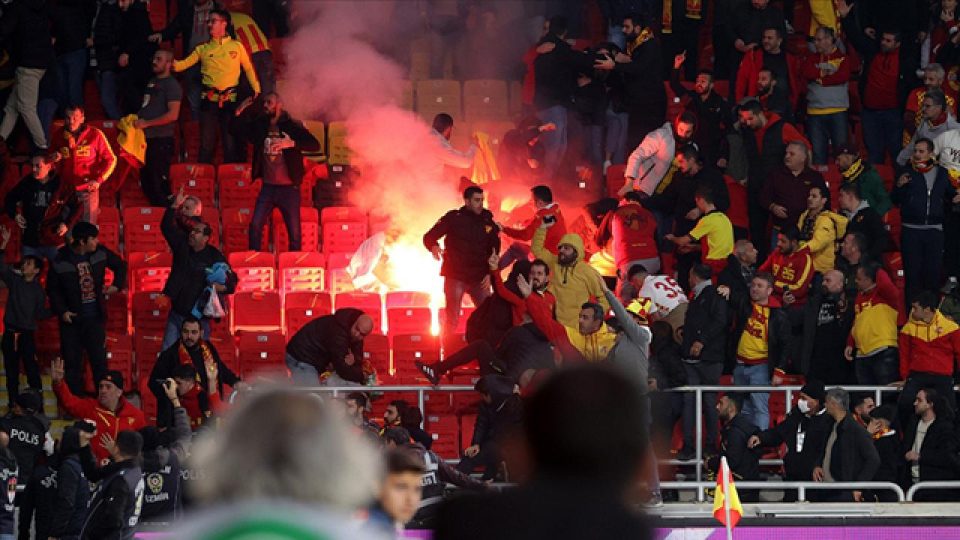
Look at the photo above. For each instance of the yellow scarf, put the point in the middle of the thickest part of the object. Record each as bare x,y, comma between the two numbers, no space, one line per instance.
694,10
854,170
645,36
484,163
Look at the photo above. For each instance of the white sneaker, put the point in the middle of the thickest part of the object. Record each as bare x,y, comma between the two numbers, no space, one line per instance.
606,165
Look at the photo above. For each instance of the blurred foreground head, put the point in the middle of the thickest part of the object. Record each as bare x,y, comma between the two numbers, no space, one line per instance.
586,423
280,444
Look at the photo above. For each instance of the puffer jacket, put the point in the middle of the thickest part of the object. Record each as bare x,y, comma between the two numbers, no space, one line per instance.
822,238
918,206
469,238
572,285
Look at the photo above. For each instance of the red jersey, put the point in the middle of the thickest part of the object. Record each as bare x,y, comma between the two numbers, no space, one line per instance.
792,272
633,229
554,233
87,156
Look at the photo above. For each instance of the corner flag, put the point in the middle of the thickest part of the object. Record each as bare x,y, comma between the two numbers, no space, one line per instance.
726,503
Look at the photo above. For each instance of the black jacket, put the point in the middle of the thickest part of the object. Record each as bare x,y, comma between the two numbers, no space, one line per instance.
63,279
749,23
854,448
469,238
8,475
253,127
713,117
706,322
555,73
825,329
542,510
919,206
168,361
72,20
135,29
115,505
891,469
502,414
439,473
183,23
869,223
765,159
938,452
642,80
744,462
25,25
188,274
324,342
678,197
106,35
869,48
42,204
57,496
798,466
27,435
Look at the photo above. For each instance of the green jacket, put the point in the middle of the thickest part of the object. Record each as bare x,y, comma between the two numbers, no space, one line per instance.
872,189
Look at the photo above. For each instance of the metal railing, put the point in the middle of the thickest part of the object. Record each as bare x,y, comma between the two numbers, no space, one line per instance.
932,484
801,487
699,484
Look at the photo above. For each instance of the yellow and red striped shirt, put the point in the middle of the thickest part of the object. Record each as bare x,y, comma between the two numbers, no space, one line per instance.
248,33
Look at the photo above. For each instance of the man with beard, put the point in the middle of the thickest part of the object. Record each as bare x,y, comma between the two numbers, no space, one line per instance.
735,433
785,192
87,160
765,153
645,97
199,353
331,343
933,80
710,109
935,121
773,94
827,319
827,74
773,57
679,201
654,156
158,117
863,220
804,432
574,281
821,229
864,176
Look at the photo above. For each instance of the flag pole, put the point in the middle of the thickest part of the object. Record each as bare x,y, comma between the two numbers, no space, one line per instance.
725,468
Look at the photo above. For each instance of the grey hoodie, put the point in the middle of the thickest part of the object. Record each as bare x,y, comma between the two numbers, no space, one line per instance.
631,352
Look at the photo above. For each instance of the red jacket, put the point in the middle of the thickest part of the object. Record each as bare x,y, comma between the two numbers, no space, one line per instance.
127,417
87,156
529,82
929,348
518,306
633,229
554,234
793,272
750,66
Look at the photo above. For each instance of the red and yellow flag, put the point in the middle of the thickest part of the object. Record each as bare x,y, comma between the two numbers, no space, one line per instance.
726,498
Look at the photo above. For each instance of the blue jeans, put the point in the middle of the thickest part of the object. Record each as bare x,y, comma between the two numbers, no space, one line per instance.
824,129
757,406
453,291
172,332
616,144
107,81
287,199
302,373
554,142
882,132
593,140
193,88
71,67
922,251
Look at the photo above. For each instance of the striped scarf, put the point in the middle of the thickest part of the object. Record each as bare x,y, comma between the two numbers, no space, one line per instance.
694,10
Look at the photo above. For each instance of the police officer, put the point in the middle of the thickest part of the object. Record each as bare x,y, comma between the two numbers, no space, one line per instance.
163,452
115,505
28,430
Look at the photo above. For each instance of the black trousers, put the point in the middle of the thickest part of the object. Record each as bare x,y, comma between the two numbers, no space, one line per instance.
83,335
488,457
155,174
916,381
19,346
215,122
481,350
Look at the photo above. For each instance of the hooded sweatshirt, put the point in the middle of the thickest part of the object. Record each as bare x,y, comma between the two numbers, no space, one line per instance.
929,347
572,285
573,346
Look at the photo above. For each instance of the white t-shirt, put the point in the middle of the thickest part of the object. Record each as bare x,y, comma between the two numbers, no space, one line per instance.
664,292
917,443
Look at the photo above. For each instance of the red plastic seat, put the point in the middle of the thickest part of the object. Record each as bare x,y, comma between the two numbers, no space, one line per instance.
120,354
369,303
148,402
376,350
236,188
236,230
411,348
141,229
309,231
109,224
211,216
197,179
410,320
341,213
149,312
149,270
615,179
256,270
146,346
302,307
301,271
118,313
402,299
260,351
257,311
337,280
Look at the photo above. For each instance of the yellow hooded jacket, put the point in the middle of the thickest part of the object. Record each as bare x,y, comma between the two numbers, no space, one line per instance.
828,230
572,285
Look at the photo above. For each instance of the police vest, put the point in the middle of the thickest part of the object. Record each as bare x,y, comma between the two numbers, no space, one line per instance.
161,496
131,511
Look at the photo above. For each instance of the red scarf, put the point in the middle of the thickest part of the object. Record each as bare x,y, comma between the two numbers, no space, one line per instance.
923,168
191,400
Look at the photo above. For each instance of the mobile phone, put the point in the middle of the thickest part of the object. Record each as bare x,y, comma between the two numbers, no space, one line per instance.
550,219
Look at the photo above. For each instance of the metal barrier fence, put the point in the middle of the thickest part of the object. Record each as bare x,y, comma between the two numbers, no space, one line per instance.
801,487
699,484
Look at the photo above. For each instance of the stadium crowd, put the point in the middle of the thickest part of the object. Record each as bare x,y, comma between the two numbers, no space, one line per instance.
783,211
